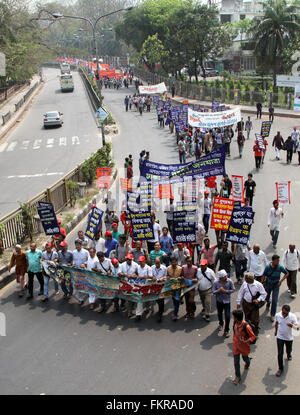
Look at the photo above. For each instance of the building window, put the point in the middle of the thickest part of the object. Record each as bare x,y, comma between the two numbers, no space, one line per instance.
225,18
242,16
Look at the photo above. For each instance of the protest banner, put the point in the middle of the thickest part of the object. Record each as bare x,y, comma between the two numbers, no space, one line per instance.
283,190
103,177
238,188
146,195
126,184
260,142
142,226
184,226
265,128
163,191
213,119
109,287
221,213
94,223
240,225
48,218
152,89
211,165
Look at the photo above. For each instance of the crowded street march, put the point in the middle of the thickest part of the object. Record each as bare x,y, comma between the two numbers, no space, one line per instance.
176,233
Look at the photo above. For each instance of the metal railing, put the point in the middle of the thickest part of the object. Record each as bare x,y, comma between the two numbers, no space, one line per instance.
6,117
206,93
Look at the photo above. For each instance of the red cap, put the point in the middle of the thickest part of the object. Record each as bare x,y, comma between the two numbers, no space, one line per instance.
48,245
142,258
108,233
114,261
198,129
203,262
206,192
190,134
93,205
114,224
129,256
59,221
179,244
171,197
63,243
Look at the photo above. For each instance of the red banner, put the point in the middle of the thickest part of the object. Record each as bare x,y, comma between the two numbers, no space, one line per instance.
163,191
103,177
126,184
221,213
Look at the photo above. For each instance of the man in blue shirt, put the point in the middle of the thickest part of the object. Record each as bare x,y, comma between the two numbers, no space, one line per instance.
272,275
110,243
34,256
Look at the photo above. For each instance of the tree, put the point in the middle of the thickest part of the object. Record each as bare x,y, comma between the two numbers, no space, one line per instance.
274,31
153,51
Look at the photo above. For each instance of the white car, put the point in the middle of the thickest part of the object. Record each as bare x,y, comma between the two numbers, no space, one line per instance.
53,118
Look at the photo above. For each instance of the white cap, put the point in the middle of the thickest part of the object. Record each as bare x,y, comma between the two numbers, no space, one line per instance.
18,246
222,273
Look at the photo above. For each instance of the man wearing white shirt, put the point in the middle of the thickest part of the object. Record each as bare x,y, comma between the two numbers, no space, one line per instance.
128,270
103,267
80,259
291,261
98,243
159,273
206,278
115,269
91,266
275,215
144,272
257,262
249,296
285,322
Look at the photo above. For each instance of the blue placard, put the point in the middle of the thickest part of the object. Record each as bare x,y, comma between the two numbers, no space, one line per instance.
48,218
94,222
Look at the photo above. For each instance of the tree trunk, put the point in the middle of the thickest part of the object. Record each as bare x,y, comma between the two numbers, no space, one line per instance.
203,70
195,68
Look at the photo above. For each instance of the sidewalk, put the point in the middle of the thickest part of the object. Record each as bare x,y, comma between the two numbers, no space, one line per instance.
10,105
245,109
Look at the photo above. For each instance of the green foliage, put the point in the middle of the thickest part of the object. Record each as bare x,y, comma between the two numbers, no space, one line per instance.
2,229
153,51
73,190
68,218
102,158
27,219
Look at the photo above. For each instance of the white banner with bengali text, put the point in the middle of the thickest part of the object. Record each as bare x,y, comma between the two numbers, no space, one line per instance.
153,89
283,193
213,119
238,188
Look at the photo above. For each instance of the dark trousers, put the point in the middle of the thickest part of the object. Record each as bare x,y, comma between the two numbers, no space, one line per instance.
176,304
298,157
250,199
251,314
289,156
161,306
227,148
258,113
257,161
271,117
40,278
150,246
170,226
205,220
280,348
274,236
237,368
240,268
226,308
292,281
126,107
66,290
190,301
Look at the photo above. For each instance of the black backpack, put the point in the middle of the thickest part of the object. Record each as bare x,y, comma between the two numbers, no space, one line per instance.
248,323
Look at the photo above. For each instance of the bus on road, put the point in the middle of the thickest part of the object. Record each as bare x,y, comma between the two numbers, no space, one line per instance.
66,82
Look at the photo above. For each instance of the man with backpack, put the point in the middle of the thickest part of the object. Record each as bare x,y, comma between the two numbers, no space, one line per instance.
243,336
251,297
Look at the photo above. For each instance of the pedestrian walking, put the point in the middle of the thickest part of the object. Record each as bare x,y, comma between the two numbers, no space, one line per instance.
251,297
167,244
250,188
243,336
144,273
258,154
257,262
240,261
291,262
159,273
19,260
126,102
49,255
189,272
175,271
248,127
208,253
173,90
207,205
225,187
258,109
289,147
240,141
271,113
181,253
129,271
225,257
169,210
272,281
182,151
222,289
275,215
65,257
284,325
33,257
206,278
278,143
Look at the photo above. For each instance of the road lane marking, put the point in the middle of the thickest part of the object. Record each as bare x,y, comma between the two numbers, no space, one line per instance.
50,142
3,147
25,145
75,140
63,141
37,144
12,146
26,176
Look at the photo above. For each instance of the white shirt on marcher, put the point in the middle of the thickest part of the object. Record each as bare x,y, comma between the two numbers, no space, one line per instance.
128,269
284,332
257,263
204,284
160,272
247,289
156,228
291,260
274,219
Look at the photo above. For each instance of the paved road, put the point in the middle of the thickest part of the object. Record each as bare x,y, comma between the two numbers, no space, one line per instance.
33,158
60,348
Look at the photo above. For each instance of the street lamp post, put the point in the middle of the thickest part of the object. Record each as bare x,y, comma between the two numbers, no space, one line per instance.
93,26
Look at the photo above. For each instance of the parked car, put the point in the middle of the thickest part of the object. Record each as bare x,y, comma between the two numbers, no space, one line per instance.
210,72
53,118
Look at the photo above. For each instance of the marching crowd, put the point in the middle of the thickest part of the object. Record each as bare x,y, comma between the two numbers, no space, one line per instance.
212,266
